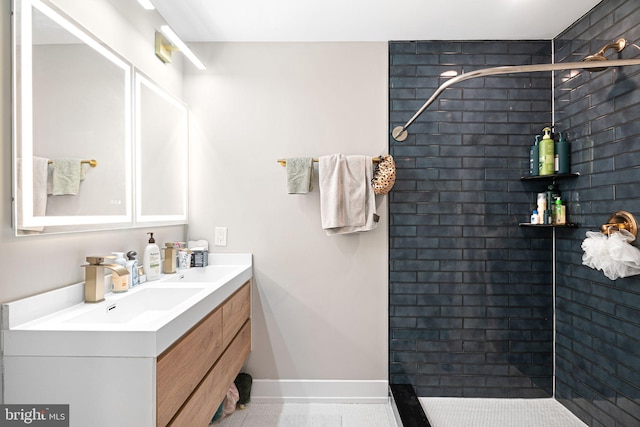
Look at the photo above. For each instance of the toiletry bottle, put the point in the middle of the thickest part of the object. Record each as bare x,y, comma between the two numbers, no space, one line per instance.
552,194
151,260
562,148
534,217
132,266
560,216
170,257
119,258
534,158
542,206
546,153
119,283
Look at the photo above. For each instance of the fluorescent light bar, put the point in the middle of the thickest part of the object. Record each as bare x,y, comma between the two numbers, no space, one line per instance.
173,38
146,4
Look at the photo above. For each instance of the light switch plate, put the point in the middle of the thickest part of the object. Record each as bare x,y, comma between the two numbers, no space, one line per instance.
220,236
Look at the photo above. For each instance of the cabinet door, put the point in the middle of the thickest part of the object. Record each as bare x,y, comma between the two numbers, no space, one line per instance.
203,403
181,368
235,311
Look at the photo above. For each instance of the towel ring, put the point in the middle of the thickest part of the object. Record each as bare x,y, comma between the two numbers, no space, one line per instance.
621,220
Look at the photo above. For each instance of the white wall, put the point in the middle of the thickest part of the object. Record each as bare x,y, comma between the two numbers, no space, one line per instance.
320,302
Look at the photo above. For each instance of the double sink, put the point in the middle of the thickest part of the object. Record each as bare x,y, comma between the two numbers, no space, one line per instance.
142,322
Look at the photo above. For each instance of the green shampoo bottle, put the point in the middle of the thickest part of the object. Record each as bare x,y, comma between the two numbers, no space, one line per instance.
546,153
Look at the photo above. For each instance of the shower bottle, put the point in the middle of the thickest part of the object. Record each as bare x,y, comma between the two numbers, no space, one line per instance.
562,148
534,158
546,155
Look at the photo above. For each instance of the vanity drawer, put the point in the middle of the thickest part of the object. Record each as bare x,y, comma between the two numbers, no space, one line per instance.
180,369
205,400
235,311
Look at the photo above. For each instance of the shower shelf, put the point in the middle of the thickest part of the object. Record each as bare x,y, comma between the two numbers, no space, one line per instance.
567,225
549,177
553,178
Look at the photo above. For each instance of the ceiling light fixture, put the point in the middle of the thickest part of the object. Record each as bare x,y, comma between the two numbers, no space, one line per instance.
163,49
146,4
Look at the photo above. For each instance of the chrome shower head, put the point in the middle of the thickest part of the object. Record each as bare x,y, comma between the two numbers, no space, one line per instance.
599,56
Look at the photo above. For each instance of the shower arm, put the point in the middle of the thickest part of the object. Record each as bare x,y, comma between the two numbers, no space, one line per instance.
400,133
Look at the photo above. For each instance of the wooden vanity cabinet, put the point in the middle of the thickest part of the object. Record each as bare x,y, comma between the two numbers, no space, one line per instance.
194,374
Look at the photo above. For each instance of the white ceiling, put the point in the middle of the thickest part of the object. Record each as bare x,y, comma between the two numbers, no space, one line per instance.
370,20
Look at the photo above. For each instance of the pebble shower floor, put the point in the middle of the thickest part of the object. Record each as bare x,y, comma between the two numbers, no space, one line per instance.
468,412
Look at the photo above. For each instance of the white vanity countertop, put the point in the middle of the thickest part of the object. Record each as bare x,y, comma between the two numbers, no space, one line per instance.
142,322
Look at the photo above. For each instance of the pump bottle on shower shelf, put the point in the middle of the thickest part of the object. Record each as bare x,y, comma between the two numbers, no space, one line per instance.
560,217
546,154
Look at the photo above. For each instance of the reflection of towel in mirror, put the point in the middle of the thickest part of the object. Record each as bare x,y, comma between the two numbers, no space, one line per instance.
66,175
299,175
40,166
347,201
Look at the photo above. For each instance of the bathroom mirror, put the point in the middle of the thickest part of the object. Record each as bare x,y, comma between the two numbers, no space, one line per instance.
72,129
77,101
161,154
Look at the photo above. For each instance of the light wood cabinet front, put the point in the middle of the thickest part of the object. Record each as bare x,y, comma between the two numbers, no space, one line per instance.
204,402
235,311
194,374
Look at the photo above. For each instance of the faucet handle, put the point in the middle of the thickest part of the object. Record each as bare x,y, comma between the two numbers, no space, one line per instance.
97,260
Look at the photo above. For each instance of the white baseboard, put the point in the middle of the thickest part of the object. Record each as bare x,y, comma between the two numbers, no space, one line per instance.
319,391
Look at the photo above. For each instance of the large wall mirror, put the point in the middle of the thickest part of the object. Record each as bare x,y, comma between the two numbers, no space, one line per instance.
162,157
75,116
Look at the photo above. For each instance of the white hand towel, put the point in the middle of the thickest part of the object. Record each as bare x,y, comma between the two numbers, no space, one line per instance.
347,201
40,171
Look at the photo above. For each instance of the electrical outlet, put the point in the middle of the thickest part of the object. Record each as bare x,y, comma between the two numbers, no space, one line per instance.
221,236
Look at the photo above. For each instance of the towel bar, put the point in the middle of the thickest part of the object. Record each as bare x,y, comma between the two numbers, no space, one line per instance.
283,162
92,163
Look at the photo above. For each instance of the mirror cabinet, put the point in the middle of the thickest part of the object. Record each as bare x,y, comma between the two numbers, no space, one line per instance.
97,144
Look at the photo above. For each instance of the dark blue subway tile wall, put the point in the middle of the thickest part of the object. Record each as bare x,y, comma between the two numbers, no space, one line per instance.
598,320
471,310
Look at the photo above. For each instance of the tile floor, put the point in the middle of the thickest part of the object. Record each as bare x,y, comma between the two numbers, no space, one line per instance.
467,412
310,415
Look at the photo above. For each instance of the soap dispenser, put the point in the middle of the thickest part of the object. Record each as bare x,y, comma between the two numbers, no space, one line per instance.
546,157
151,260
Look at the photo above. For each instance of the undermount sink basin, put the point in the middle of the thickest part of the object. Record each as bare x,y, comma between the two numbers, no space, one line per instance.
144,305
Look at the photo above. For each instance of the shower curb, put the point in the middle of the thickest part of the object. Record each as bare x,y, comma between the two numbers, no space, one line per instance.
408,405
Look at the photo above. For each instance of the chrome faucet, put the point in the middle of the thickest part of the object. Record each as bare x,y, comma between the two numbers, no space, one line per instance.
94,277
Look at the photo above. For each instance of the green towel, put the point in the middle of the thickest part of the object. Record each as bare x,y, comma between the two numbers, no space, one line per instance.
299,175
66,176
